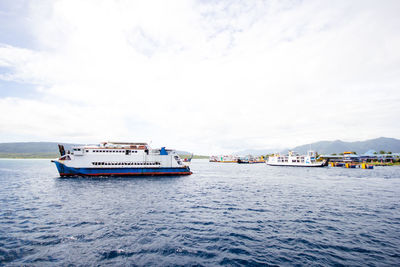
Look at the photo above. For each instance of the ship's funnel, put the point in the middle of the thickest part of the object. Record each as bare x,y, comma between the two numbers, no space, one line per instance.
163,151
61,149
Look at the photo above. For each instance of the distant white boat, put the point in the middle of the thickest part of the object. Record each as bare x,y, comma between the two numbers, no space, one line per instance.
296,160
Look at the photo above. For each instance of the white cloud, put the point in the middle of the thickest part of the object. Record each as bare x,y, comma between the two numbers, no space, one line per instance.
208,77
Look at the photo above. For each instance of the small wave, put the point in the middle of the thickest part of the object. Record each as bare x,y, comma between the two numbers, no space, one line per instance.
88,223
241,236
238,251
107,255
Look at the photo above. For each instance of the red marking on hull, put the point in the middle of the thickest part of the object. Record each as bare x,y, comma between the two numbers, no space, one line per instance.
128,174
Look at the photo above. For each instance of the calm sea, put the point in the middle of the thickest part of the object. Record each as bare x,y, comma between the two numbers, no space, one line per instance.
223,214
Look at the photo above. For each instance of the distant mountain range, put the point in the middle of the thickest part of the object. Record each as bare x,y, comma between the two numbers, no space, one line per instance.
337,146
50,149
39,149
33,147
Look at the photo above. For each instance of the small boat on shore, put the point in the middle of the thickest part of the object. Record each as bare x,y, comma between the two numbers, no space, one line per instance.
295,160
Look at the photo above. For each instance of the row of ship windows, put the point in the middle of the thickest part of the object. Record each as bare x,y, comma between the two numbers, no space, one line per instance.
126,163
281,160
111,151
285,158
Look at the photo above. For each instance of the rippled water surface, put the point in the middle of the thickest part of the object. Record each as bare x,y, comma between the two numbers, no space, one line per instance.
223,214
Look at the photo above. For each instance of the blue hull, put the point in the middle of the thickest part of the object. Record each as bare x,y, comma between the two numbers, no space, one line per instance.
69,171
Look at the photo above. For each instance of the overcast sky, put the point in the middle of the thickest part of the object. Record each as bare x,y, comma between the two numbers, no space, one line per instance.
202,76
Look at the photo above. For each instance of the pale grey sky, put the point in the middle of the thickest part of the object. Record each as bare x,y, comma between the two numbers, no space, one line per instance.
203,76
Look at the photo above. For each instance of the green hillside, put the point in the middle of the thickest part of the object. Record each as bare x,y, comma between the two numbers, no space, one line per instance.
44,150
32,149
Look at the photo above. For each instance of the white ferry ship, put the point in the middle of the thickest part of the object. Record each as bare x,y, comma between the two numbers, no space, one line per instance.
296,160
119,159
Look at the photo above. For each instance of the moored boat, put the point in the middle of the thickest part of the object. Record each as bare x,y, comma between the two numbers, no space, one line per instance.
249,159
224,159
119,159
295,160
